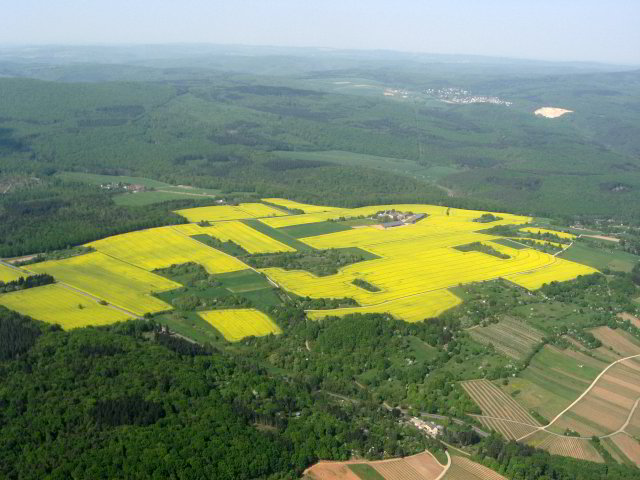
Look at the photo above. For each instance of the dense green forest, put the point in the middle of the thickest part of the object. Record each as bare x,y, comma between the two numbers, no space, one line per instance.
306,134
103,403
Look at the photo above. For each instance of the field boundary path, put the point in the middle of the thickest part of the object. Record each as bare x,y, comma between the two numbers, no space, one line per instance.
626,424
446,467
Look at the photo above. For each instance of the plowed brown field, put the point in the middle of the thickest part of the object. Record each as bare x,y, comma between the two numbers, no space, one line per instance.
422,466
465,469
606,407
620,341
629,446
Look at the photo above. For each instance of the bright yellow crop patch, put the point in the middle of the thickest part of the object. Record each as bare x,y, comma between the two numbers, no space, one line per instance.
559,271
411,309
230,212
417,263
247,237
165,246
542,231
236,324
56,304
454,215
111,280
305,207
8,274
409,269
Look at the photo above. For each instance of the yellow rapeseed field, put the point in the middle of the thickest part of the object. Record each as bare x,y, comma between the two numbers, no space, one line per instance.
165,246
56,304
455,214
293,205
236,324
544,230
417,269
417,265
560,271
411,309
114,281
8,274
417,261
229,212
247,237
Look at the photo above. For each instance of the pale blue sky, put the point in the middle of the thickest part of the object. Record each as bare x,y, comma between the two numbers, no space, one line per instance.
600,30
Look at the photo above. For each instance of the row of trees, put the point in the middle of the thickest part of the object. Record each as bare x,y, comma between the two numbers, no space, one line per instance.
22,283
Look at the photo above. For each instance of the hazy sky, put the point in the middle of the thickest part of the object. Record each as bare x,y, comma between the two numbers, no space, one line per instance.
601,30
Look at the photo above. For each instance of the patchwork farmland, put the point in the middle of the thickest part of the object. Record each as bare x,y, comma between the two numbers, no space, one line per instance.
464,469
500,412
511,337
412,267
422,466
567,446
583,397
608,405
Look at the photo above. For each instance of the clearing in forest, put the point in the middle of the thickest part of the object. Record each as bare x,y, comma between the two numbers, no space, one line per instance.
56,304
511,337
551,112
238,323
422,466
464,469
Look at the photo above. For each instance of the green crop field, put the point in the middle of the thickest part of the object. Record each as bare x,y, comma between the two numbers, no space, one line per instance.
601,258
553,379
279,235
365,472
311,229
